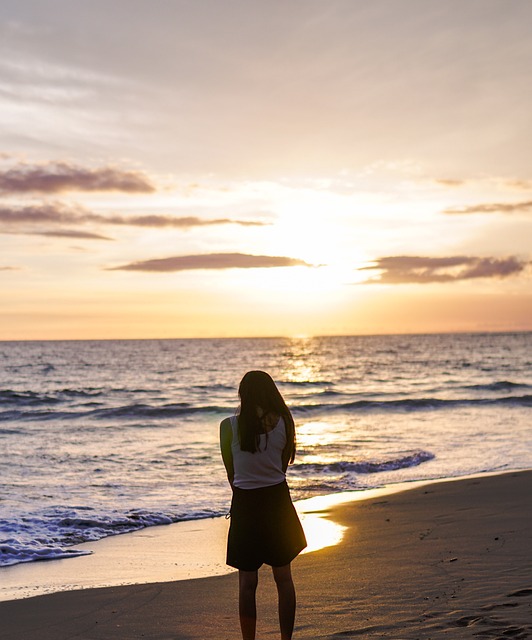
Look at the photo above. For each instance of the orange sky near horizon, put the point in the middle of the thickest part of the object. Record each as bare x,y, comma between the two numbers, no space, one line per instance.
264,168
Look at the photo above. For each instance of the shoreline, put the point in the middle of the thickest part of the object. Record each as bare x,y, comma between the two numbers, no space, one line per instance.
187,550
448,559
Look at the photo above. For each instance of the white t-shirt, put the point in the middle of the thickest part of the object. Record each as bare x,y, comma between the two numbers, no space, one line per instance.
263,468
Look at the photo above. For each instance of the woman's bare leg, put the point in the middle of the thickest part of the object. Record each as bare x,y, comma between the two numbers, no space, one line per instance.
287,600
247,608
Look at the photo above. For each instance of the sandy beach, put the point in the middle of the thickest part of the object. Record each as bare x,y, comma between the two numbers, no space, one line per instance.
450,560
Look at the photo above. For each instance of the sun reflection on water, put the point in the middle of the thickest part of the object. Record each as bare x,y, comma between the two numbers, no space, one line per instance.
302,369
301,365
316,433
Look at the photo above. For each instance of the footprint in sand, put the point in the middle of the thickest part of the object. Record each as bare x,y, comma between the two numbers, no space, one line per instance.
469,621
492,626
505,605
521,593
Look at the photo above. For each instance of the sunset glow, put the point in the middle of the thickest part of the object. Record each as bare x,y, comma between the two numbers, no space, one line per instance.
267,169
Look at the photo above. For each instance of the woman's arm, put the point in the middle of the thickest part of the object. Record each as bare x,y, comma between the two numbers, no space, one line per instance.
286,456
289,448
226,438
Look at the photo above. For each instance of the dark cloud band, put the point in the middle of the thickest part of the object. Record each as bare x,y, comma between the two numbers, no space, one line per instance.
169,221
423,270
60,213
494,207
211,261
60,177
69,233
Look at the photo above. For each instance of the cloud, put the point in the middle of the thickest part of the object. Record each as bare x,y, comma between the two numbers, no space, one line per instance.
212,261
68,233
169,221
519,184
60,213
56,233
422,270
494,207
9,268
55,212
59,177
486,182
450,182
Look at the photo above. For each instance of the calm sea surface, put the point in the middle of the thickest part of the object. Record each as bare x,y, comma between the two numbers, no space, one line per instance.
104,437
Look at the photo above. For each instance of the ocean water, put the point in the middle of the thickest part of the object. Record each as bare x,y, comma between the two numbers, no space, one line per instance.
104,437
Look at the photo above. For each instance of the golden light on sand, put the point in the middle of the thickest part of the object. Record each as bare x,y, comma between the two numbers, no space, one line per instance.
320,531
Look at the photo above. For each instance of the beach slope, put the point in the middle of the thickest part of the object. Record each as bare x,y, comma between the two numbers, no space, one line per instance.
447,560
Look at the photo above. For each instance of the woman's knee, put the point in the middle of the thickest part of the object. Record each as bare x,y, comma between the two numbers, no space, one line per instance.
248,580
282,575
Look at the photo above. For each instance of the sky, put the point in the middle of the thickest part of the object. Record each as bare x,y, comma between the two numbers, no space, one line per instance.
213,168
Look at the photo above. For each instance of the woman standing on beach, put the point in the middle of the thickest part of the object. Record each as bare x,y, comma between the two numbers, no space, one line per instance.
257,445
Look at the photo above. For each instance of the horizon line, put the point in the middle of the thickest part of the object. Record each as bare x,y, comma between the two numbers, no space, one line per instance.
281,337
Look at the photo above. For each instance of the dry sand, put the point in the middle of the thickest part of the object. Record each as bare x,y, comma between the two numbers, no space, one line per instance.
448,560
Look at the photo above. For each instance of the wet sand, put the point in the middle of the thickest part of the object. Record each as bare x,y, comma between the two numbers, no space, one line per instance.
446,560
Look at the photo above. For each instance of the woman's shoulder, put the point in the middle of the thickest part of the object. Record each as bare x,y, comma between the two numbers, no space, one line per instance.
226,430
226,423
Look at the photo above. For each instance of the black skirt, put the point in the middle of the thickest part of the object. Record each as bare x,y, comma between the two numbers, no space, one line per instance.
265,528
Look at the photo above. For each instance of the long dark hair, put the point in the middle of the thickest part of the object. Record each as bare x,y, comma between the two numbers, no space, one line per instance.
257,390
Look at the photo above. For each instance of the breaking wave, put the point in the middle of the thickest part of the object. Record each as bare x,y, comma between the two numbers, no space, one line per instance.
410,459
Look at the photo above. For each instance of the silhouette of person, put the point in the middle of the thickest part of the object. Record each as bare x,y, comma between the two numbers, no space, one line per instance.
257,444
